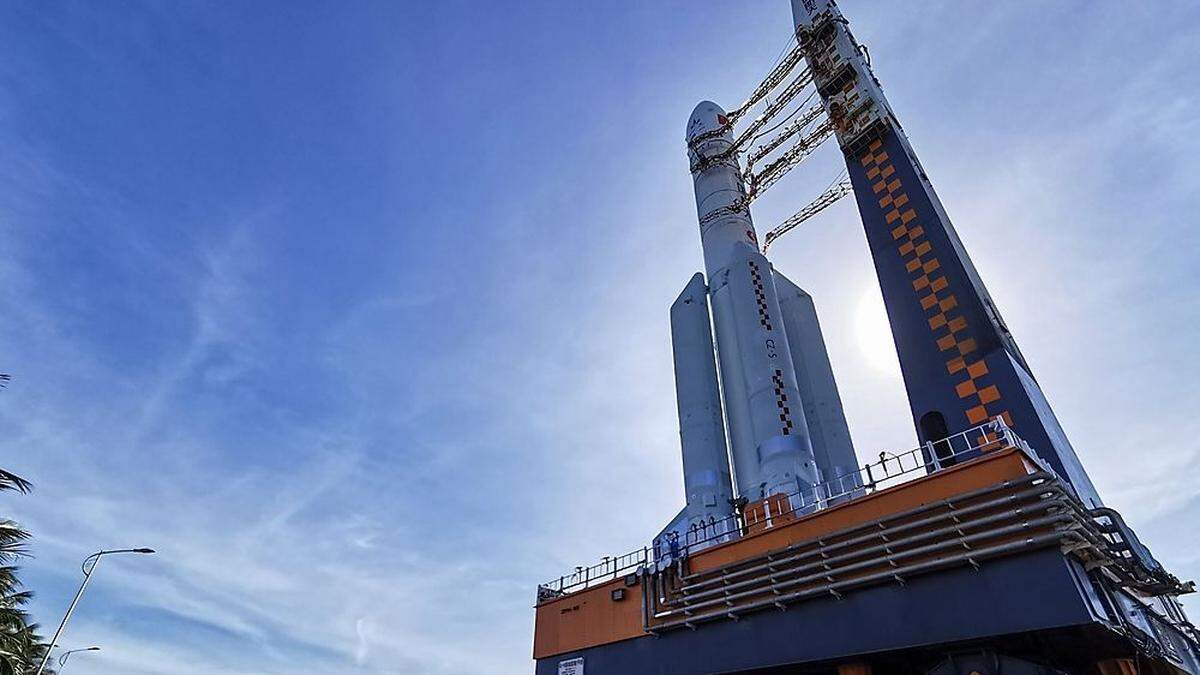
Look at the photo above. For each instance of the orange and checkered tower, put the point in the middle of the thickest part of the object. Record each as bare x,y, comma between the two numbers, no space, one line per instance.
961,365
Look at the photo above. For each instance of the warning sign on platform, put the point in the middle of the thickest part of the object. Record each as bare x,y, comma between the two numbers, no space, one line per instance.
570,667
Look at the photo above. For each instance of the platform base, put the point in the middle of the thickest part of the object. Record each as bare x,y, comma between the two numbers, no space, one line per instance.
1039,607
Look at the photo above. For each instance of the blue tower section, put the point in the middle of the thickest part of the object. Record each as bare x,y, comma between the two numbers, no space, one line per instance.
960,364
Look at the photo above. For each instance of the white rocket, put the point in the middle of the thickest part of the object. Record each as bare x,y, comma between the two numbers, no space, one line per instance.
776,401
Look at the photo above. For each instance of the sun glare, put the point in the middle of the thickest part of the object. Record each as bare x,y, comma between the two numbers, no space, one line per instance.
873,333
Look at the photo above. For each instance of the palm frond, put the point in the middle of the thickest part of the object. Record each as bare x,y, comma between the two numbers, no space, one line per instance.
11,481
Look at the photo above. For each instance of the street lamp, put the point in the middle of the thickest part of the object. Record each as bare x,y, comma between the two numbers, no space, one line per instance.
88,566
62,660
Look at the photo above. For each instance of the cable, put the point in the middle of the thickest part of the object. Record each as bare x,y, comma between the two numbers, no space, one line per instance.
784,64
789,116
791,130
801,149
838,188
774,107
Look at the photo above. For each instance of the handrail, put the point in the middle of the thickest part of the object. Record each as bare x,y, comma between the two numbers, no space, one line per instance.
891,469
1030,489
606,570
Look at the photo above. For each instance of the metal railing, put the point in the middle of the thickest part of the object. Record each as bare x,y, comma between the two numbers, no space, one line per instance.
891,469
606,570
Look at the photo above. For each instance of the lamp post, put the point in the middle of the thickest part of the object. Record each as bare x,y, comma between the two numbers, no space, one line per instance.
88,567
62,660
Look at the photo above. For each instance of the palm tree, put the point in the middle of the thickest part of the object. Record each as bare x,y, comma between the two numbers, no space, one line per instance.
21,648
20,645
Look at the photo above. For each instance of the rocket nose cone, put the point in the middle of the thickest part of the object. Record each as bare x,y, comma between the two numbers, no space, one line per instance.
706,117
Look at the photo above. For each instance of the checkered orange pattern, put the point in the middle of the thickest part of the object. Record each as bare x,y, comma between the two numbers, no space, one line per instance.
947,324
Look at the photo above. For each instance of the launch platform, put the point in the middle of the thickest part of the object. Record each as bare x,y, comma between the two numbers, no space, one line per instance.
987,555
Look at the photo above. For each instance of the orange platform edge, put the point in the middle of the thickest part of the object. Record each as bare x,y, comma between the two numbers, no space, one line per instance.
592,617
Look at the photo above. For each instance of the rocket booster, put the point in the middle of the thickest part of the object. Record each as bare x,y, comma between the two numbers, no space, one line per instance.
770,445
701,422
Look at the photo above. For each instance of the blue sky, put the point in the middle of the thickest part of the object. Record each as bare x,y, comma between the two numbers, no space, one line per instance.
357,312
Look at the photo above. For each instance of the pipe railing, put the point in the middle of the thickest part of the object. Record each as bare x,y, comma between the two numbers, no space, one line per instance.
893,574
928,521
891,469
606,570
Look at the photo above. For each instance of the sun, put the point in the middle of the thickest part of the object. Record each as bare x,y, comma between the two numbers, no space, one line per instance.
874,334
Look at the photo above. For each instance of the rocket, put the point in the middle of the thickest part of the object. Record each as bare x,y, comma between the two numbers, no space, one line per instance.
772,452
759,413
